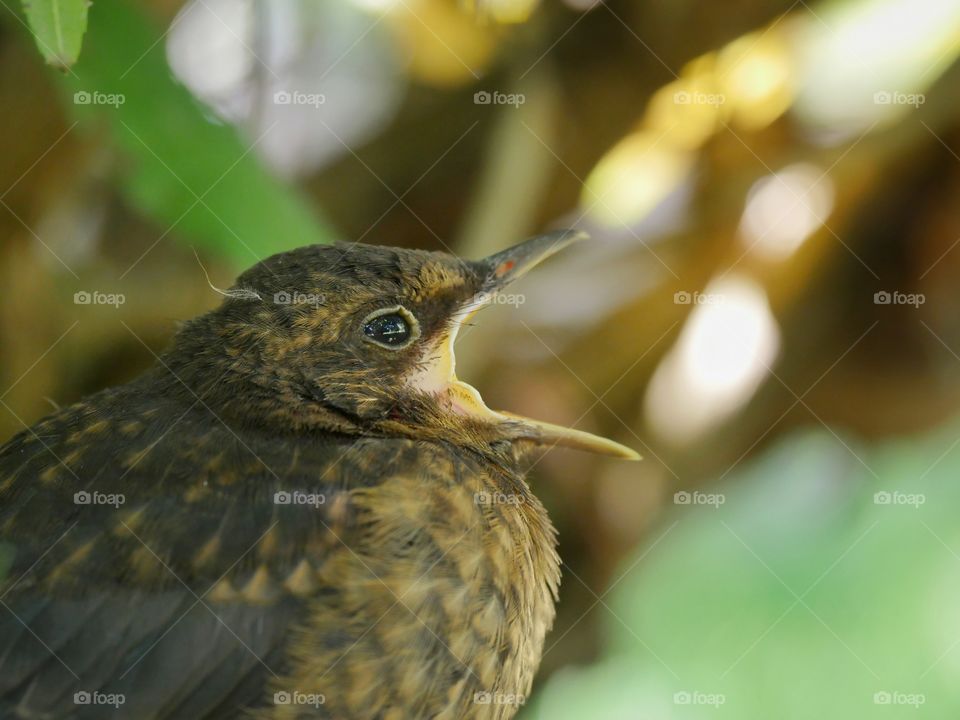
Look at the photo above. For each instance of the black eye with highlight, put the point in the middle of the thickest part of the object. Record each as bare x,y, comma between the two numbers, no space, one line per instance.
393,327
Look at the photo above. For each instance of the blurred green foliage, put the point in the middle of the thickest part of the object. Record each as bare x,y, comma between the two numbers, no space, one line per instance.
823,583
194,176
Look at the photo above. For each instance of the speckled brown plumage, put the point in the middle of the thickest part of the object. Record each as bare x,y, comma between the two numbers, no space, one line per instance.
284,519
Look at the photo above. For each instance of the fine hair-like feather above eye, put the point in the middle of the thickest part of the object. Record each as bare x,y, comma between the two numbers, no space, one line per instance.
392,327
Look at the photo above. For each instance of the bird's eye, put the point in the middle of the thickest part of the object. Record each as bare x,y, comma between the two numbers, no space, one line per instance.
393,327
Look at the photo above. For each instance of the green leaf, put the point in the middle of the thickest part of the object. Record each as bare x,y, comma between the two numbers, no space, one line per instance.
195,176
58,27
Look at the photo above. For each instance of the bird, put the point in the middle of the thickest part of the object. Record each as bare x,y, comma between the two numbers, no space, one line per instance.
298,512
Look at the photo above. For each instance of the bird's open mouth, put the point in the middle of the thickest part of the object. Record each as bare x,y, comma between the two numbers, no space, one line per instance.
438,375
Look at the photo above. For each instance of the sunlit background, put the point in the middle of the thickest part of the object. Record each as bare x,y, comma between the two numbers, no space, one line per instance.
768,310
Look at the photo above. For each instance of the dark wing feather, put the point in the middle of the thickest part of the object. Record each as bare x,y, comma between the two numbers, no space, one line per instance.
181,596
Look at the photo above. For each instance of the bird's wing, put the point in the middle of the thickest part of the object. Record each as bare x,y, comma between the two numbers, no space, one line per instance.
153,554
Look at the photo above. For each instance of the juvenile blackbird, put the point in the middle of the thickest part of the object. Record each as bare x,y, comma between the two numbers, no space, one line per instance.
300,512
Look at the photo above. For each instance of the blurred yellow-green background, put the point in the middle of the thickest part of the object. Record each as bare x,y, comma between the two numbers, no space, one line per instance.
768,310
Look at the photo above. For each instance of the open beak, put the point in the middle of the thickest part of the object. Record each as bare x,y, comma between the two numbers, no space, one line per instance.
439,376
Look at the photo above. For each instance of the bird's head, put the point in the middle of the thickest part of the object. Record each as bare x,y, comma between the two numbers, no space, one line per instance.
360,339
